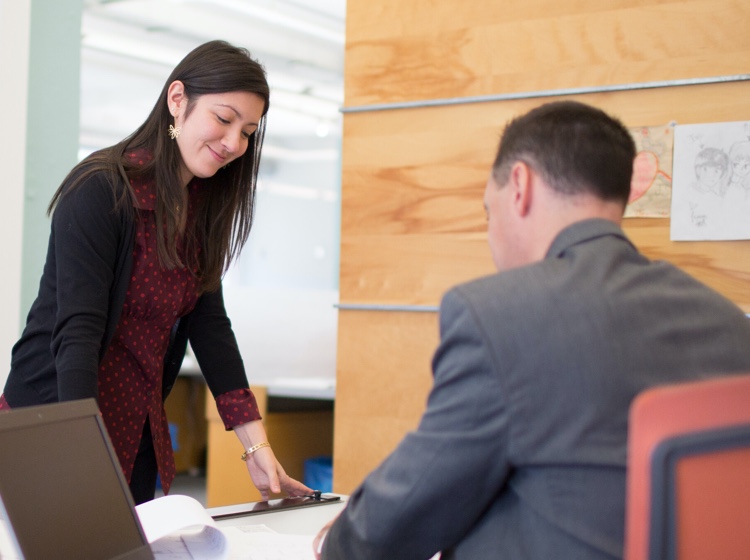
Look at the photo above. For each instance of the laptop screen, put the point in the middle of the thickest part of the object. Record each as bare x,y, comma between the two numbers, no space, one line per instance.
62,488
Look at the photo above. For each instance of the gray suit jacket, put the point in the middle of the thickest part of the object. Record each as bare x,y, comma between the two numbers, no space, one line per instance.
521,451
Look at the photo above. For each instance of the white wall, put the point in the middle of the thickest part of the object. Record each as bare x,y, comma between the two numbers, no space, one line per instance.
281,295
15,17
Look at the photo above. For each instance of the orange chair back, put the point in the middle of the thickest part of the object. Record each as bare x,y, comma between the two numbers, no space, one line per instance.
688,481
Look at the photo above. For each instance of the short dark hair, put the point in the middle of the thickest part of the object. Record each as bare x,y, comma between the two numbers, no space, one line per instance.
575,147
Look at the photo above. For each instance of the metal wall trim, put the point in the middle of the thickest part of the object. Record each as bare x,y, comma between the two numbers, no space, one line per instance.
543,93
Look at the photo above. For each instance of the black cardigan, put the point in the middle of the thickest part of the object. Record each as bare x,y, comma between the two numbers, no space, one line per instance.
81,295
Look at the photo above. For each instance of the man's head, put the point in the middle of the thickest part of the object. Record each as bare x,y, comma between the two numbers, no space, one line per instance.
557,164
576,149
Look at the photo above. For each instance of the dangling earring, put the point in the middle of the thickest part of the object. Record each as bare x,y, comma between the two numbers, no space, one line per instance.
174,132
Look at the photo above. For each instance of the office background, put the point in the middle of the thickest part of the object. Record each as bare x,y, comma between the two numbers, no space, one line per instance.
428,86
91,71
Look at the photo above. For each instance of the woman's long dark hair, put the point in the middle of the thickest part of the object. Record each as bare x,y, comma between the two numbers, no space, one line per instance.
224,217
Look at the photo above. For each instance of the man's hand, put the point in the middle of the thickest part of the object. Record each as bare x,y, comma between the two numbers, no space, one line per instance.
318,540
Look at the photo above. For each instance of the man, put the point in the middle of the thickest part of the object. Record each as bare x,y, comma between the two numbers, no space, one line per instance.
521,452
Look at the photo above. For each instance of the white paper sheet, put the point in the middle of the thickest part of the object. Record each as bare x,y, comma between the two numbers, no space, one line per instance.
179,527
711,182
8,549
250,544
175,524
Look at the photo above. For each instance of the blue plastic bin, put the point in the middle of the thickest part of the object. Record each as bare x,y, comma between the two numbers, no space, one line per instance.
319,473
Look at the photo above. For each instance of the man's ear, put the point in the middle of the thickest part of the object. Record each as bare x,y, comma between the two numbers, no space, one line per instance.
176,98
522,185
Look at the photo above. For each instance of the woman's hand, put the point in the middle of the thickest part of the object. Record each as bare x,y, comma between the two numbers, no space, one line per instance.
269,476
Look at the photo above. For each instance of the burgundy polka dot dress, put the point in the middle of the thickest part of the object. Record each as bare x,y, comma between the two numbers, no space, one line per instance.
130,375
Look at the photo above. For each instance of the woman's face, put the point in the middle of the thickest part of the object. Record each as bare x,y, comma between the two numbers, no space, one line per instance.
217,130
741,166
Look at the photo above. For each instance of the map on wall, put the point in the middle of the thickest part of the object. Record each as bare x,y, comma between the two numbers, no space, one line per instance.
651,187
711,198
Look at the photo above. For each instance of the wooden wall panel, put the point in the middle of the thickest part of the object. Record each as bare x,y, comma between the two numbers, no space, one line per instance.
383,379
412,217
398,51
409,269
413,179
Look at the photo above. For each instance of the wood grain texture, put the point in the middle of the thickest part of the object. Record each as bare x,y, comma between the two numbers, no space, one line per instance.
413,223
398,51
383,378
409,269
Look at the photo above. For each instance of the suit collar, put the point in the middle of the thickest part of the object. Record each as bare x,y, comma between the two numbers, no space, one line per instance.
584,231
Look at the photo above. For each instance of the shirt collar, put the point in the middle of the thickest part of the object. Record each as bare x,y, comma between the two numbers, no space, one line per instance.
144,189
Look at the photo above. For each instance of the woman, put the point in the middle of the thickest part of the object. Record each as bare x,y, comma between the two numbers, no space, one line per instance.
142,233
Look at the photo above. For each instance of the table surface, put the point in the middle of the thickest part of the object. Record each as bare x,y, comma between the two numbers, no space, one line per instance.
305,520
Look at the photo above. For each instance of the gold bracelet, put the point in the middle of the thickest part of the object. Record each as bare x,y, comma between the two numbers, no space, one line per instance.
253,449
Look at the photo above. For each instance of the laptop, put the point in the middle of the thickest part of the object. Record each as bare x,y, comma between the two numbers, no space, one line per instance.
62,491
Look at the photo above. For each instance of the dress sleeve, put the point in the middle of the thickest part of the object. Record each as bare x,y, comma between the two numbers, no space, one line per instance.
237,407
443,475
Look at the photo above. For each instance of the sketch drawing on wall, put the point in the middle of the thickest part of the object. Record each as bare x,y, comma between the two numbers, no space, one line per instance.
711,188
651,188
739,159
